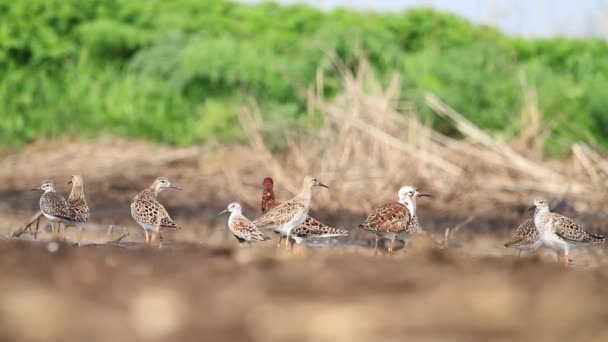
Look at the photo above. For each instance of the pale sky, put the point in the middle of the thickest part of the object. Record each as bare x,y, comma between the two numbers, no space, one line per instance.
530,18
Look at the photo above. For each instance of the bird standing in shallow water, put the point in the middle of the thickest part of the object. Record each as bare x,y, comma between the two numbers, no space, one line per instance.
149,213
287,216
53,206
559,232
395,220
309,229
77,205
240,226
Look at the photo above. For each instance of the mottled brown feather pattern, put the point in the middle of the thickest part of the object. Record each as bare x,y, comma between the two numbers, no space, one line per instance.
245,231
78,209
525,234
281,214
53,204
145,208
310,228
568,230
393,217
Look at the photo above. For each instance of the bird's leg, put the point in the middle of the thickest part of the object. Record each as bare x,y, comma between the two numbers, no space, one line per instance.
111,231
519,255
287,243
390,247
291,244
376,246
566,259
37,226
160,239
559,256
406,242
147,237
53,230
79,237
280,244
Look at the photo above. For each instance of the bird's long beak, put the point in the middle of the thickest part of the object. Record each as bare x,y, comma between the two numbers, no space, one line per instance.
174,187
70,182
225,210
532,208
34,189
323,185
424,194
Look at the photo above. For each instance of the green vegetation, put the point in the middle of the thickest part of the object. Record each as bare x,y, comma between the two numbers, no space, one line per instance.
177,71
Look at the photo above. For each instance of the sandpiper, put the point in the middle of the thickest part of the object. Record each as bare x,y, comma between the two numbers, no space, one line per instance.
310,229
559,232
240,226
149,213
525,238
77,205
286,216
395,220
53,206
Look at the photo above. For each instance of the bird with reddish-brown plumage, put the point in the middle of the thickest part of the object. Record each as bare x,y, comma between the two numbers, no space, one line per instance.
395,220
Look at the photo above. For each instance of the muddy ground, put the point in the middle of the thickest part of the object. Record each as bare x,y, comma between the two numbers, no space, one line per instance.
202,286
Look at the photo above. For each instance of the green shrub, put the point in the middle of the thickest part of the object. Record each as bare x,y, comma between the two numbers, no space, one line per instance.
178,71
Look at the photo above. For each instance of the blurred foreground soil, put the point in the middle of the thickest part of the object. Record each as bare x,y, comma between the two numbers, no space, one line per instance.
190,292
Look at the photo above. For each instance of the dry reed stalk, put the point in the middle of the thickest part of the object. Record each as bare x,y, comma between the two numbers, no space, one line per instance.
476,134
531,137
27,226
585,162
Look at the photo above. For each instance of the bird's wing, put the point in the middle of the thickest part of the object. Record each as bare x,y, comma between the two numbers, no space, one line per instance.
390,217
311,228
152,212
52,203
524,234
280,214
570,231
244,229
79,210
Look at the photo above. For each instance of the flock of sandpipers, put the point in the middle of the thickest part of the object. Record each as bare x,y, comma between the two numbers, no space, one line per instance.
393,221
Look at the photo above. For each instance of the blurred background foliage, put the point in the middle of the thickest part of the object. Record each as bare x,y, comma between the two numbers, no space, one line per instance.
177,71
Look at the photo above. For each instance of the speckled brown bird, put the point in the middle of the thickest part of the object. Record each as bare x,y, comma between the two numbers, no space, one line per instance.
525,238
309,229
240,226
395,220
77,205
559,232
149,213
285,217
53,206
